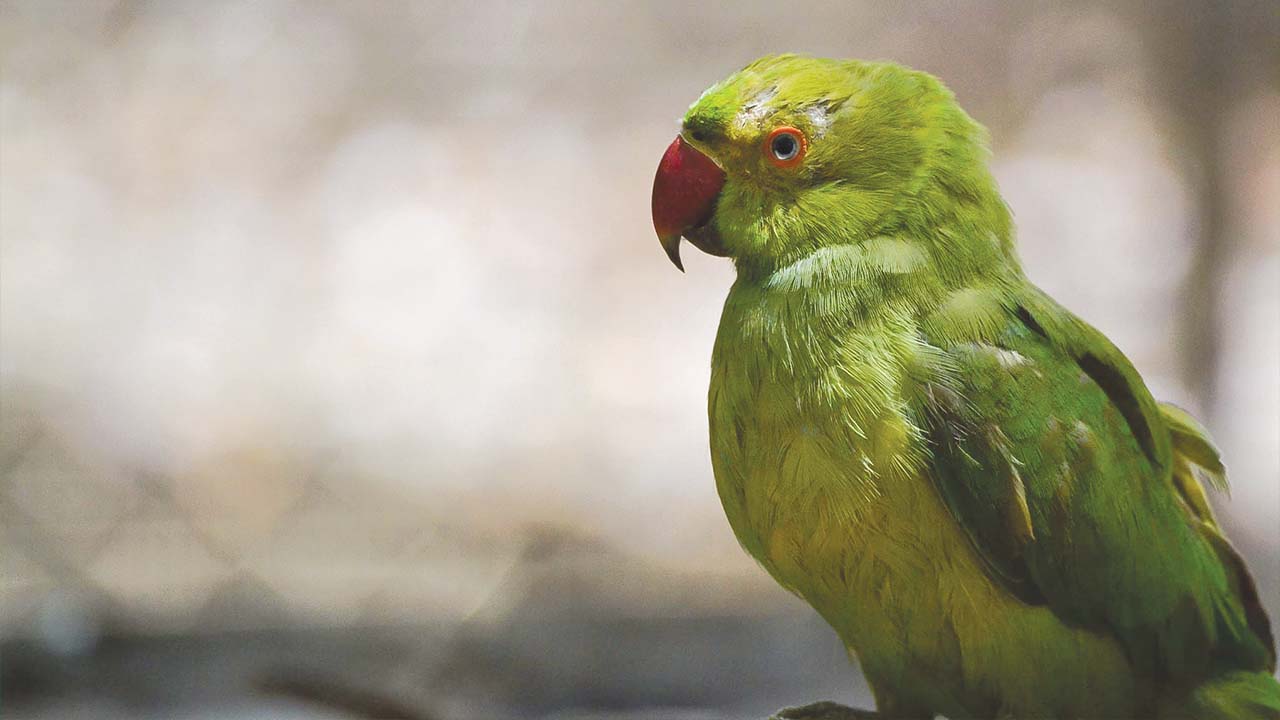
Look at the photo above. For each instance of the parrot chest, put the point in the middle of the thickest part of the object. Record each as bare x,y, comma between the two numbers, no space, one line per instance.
822,475
835,506
824,479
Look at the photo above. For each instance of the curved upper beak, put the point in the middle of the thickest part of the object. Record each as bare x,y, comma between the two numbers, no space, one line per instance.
684,199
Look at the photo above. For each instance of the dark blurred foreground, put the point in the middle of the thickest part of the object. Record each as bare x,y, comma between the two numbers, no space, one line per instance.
568,650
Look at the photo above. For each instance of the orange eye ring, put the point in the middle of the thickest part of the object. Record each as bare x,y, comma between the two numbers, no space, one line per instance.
785,147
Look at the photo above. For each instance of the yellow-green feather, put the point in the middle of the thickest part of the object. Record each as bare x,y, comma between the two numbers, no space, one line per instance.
970,484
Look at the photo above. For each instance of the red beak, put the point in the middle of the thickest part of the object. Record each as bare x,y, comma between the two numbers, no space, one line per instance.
684,195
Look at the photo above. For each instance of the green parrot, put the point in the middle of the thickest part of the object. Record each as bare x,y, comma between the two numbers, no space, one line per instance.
970,484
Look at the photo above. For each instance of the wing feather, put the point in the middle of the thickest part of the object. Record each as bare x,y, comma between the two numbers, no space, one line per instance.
1081,492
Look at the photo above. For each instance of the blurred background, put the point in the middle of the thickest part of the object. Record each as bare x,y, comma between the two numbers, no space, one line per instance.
341,369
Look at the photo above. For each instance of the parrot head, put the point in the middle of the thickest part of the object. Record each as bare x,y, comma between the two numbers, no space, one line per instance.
793,153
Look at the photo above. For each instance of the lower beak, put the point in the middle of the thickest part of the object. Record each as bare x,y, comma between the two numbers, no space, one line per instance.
685,191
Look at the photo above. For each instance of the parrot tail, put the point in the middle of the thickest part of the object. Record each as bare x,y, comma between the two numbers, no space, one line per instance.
1195,458
1233,696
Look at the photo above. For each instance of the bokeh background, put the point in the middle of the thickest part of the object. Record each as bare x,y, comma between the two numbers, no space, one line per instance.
341,369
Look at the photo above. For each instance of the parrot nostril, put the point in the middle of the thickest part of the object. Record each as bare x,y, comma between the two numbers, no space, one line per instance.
702,129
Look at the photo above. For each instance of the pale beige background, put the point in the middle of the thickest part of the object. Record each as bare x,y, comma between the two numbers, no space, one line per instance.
320,316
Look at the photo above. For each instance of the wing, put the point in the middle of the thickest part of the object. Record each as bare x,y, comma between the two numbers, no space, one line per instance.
1080,493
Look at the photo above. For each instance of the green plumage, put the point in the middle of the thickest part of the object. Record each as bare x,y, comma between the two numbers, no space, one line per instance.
974,487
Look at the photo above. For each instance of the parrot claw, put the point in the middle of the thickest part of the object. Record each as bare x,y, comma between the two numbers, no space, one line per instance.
825,710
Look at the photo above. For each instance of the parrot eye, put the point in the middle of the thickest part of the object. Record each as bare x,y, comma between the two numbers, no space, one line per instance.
785,147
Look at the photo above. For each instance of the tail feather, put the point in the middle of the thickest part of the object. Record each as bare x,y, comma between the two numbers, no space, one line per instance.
1234,696
1196,461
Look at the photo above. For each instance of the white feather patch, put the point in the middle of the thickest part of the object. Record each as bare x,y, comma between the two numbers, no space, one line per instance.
755,109
820,118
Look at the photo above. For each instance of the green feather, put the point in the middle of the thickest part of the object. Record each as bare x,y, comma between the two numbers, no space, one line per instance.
972,485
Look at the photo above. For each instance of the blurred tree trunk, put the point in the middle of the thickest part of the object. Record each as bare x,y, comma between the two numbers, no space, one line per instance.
1208,55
